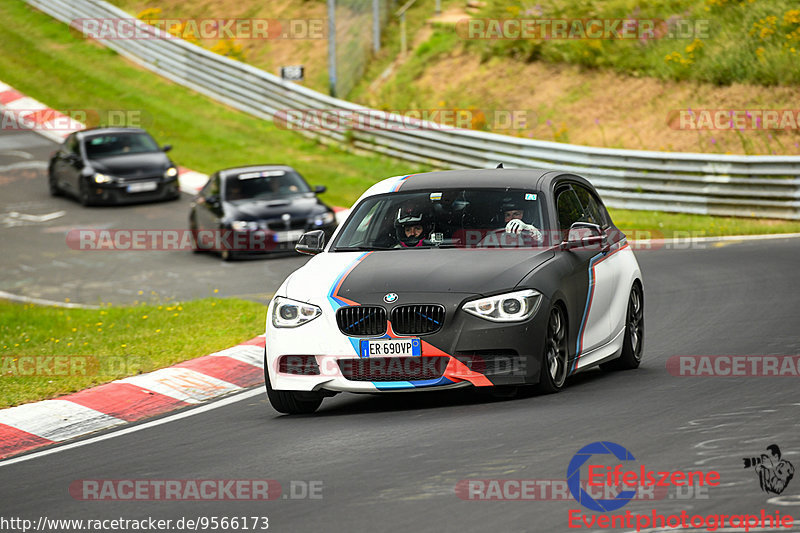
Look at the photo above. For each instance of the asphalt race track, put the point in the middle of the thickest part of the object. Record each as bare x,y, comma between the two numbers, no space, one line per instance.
37,262
391,463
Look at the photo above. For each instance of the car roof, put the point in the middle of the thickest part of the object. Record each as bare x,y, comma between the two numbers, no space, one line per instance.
101,131
515,178
235,171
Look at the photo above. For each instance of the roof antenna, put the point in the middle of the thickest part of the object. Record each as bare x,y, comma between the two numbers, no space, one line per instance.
499,166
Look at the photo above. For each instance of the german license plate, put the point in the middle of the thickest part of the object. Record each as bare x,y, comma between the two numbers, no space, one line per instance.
143,186
288,236
391,347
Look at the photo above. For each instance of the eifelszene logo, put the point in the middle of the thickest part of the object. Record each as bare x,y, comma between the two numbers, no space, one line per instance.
774,473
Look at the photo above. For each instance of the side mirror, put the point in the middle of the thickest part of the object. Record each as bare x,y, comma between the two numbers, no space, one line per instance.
584,235
319,189
212,200
167,147
311,243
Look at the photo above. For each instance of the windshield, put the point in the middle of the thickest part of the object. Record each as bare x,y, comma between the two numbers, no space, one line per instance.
468,218
112,144
264,185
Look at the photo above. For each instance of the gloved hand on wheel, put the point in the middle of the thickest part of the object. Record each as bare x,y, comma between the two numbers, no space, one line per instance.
517,226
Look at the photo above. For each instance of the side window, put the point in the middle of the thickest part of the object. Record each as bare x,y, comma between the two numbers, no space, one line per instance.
71,144
213,190
569,209
592,208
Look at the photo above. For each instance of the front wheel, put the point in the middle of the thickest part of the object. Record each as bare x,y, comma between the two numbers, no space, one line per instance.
53,185
633,342
554,360
291,402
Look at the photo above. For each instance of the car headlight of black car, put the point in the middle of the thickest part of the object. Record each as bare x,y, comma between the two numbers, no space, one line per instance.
171,172
244,225
102,178
509,307
323,219
288,313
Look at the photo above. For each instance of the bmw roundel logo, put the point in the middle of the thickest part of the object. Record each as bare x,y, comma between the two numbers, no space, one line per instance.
390,298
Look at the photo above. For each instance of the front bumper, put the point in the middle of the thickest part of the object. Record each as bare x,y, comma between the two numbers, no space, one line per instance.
116,192
466,351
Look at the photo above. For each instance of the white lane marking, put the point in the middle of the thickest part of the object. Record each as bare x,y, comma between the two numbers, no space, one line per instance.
692,240
182,384
35,218
22,165
57,420
17,153
244,395
247,353
41,301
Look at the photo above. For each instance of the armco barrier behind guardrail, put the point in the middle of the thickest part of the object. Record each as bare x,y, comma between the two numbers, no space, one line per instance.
762,186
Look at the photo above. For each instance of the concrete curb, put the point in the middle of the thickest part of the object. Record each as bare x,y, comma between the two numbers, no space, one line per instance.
35,425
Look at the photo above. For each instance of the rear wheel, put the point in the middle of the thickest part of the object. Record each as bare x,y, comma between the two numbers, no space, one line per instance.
554,360
291,402
633,342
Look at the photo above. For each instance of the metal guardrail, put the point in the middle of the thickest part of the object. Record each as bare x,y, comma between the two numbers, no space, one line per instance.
760,186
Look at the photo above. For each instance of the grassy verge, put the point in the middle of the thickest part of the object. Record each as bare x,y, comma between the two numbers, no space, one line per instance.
676,225
42,58
713,41
49,351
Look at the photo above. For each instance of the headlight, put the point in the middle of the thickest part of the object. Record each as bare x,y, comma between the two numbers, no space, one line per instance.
171,172
244,225
323,219
102,178
509,307
288,313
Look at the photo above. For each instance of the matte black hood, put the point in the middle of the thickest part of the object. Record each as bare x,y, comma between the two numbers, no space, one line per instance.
299,206
129,165
469,271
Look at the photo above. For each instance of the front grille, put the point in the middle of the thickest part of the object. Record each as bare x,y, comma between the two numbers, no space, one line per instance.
361,320
280,225
417,319
393,368
298,365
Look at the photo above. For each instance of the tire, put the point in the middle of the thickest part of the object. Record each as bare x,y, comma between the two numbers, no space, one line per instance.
53,185
555,358
83,195
633,342
291,402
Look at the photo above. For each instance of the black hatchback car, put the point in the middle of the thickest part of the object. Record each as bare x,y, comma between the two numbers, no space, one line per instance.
113,165
256,209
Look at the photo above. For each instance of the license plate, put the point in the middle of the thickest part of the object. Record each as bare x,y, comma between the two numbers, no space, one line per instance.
143,186
287,236
390,348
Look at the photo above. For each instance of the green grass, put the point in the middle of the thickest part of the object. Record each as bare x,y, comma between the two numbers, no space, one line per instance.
42,58
94,346
742,43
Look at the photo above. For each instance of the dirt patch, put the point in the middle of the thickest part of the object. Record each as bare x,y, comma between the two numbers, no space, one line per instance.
603,108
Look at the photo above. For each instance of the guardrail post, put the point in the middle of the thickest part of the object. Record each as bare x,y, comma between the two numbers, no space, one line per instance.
332,46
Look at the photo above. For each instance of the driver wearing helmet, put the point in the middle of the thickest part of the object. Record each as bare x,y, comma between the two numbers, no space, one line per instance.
513,212
412,226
